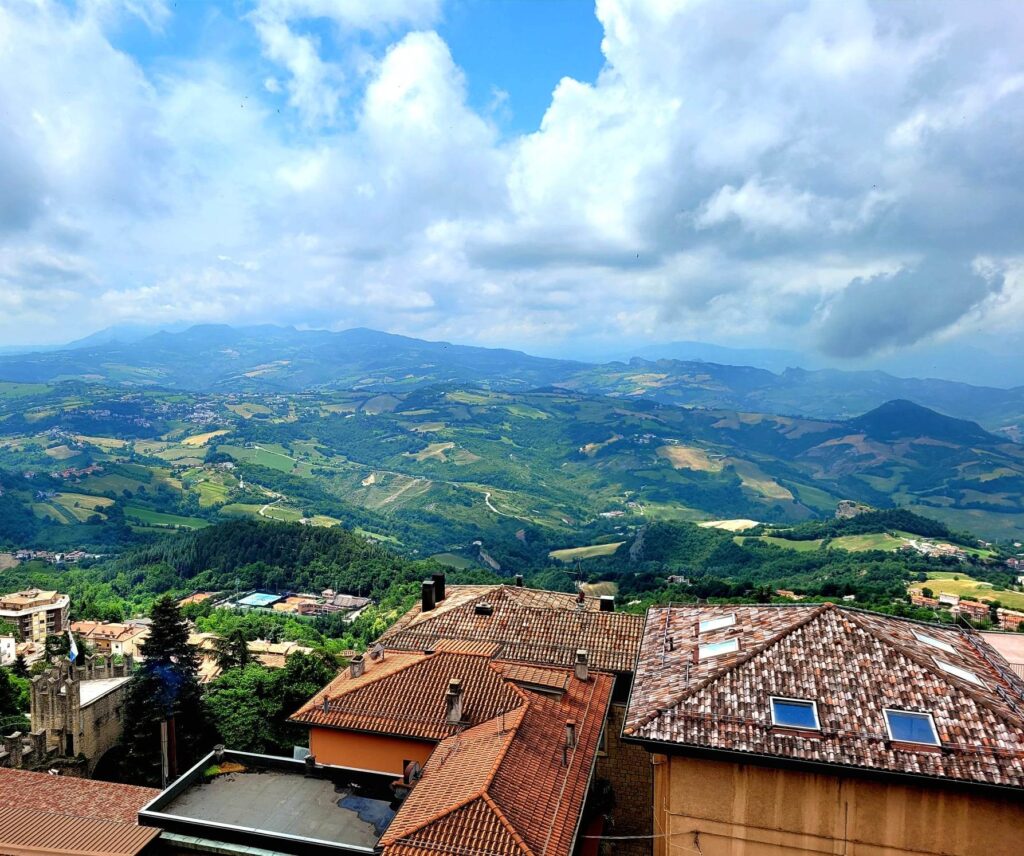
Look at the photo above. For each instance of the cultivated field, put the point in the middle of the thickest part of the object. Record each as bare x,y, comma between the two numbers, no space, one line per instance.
203,439
689,458
971,589
571,554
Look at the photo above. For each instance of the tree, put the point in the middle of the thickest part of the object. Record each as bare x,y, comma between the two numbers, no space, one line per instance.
12,704
165,687
232,651
20,667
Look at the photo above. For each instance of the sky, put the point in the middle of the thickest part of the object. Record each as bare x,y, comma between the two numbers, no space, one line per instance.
842,179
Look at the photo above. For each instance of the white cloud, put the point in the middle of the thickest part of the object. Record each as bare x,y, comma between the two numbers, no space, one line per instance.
732,170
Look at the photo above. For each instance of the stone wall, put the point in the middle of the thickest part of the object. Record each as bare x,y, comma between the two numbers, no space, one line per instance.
627,767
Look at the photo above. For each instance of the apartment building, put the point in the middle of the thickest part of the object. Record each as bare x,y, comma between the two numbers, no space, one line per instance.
35,614
804,729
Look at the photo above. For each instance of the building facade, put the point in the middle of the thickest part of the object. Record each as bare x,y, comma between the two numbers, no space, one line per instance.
785,730
35,614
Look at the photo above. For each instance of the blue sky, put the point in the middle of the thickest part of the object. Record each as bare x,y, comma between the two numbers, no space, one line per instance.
843,179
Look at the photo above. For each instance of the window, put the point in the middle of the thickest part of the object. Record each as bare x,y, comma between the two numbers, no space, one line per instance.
795,713
964,674
716,649
907,726
935,643
709,624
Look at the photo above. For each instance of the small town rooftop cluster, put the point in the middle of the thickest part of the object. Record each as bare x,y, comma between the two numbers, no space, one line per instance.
513,721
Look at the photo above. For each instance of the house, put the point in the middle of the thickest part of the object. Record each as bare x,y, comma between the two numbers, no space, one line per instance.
537,628
785,729
1010,619
110,638
273,655
918,599
974,609
47,815
947,599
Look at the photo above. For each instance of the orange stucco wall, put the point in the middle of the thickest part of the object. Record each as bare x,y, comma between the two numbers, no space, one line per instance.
366,751
718,808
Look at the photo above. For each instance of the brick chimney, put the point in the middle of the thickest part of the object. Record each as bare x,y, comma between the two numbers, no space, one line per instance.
427,599
582,667
570,733
356,666
453,702
607,603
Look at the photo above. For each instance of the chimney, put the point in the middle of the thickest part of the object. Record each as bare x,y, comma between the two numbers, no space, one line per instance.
427,596
581,600
453,702
439,594
570,734
519,580
607,603
582,669
483,608
357,666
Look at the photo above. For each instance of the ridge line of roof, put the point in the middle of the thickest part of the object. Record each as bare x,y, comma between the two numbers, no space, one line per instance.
814,613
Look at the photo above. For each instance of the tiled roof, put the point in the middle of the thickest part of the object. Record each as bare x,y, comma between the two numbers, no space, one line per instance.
504,787
90,630
40,813
404,693
530,625
854,664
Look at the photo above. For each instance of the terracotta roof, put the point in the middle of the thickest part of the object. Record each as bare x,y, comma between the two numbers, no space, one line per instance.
854,664
404,693
40,813
504,787
530,626
104,630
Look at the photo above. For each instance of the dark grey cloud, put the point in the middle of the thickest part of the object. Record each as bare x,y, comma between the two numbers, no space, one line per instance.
892,311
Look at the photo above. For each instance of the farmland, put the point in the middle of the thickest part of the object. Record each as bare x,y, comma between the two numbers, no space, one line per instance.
571,554
971,589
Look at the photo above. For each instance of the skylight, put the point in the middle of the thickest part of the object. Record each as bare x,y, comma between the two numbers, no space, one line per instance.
709,624
960,673
935,643
908,726
795,713
716,649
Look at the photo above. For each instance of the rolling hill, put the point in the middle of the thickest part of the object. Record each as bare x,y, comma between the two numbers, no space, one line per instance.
219,358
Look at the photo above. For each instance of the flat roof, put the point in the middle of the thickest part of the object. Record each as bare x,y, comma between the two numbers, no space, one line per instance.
259,599
276,803
90,691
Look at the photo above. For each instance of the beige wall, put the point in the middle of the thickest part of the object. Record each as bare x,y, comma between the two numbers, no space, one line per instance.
718,808
366,751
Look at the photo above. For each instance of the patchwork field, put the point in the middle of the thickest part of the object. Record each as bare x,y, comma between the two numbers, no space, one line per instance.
203,439
971,589
690,458
158,518
571,554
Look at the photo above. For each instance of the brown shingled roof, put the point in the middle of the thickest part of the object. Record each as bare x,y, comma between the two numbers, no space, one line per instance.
854,664
528,624
404,693
504,787
40,813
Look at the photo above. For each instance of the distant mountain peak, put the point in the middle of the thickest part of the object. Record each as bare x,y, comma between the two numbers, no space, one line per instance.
901,419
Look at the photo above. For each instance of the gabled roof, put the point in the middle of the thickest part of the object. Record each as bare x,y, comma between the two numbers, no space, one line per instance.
40,813
504,787
404,693
854,665
529,625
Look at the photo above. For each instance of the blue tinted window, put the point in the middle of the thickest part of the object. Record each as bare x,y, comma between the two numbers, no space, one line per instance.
909,727
794,714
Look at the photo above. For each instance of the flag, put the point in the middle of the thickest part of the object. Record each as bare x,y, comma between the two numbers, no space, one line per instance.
73,647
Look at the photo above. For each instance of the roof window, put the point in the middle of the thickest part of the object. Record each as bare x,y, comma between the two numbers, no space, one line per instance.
717,649
963,674
709,624
795,713
908,726
935,643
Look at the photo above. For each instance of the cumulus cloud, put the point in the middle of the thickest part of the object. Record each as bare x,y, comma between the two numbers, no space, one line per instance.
735,171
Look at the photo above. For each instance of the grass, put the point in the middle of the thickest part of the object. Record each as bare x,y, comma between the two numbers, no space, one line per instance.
263,457
785,543
10,389
160,518
197,440
249,409
970,589
283,514
81,506
376,536
571,554
53,512
872,541
105,443
61,453
212,493
689,458
434,450
454,560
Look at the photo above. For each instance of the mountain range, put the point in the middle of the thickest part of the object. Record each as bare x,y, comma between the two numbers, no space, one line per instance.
269,358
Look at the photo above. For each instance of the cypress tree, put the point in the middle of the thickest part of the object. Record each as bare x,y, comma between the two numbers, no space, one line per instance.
166,685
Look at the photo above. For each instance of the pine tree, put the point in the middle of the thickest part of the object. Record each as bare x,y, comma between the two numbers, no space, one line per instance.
232,651
165,686
20,667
